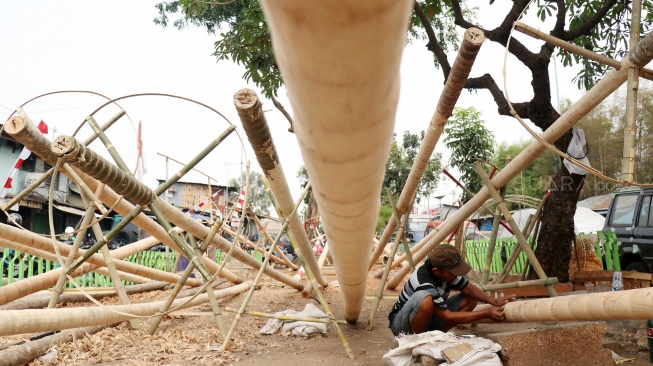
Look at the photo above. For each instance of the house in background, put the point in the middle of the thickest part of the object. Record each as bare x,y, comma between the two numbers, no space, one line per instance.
33,208
186,195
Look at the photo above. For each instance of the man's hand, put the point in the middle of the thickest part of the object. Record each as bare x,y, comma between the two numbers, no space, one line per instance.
496,313
501,301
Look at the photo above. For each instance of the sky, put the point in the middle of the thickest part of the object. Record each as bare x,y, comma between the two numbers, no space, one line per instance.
115,49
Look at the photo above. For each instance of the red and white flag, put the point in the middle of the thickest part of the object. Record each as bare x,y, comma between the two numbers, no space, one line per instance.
235,219
200,206
140,160
21,158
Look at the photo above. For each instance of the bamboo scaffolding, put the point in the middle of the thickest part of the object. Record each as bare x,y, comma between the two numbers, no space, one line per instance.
533,241
472,41
312,280
398,239
45,320
250,111
485,275
526,232
606,86
323,256
284,317
519,284
523,243
27,134
227,230
273,246
266,235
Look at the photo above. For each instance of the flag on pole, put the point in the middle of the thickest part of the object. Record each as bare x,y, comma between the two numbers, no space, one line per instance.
140,159
21,158
235,219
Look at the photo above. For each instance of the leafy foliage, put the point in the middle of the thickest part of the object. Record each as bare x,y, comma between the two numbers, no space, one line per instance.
247,42
384,216
258,198
533,180
469,140
400,161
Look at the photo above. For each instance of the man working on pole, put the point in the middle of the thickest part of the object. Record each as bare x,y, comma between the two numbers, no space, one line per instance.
424,304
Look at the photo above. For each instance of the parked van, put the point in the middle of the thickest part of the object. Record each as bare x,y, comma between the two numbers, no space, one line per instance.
630,218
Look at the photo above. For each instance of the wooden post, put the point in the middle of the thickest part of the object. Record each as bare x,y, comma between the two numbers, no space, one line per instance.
630,130
462,65
520,237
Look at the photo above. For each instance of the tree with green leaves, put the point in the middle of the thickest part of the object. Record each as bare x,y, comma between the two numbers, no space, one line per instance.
468,140
258,198
600,26
400,160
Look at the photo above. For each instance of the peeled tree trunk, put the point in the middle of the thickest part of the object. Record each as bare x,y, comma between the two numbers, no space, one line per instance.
578,110
256,127
472,41
46,320
340,62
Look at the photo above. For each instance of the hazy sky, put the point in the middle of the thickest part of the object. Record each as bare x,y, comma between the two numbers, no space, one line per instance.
114,48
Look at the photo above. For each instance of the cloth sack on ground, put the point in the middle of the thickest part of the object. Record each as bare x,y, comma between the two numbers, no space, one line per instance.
431,344
301,329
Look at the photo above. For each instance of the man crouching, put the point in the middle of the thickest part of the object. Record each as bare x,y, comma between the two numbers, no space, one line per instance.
424,304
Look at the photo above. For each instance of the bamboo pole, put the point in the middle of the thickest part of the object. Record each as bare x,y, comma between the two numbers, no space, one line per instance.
493,240
283,317
323,256
472,41
533,241
265,234
386,270
519,284
250,111
630,129
45,320
396,215
58,289
312,280
230,232
615,305
535,33
111,266
570,117
213,302
27,134
520,237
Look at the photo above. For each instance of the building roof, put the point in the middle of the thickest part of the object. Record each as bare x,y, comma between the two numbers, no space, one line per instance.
597,203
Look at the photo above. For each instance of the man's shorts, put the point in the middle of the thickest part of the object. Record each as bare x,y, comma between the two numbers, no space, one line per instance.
401,322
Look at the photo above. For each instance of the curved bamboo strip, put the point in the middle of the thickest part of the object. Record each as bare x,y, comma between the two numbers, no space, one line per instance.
250,111
578,110
344,99
615,305
45,320
27,134
472,40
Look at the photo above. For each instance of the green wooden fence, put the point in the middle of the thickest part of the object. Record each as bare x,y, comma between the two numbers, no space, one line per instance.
15,266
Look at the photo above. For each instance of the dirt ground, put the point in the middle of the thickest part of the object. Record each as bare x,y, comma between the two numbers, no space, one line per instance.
181,340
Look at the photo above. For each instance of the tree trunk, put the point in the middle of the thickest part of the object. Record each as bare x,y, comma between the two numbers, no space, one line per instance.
557,228
312,219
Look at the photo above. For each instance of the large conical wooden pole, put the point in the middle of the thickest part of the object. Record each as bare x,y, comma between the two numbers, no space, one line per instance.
47,320
27,134
472,41
613,79
250,111
344,102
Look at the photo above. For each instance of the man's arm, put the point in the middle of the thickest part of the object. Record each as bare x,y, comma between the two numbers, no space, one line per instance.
465,317
479,295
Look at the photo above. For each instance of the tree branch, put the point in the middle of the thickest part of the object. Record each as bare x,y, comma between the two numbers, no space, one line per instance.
459,20
433,45
586,28
559,28
487,82
283,111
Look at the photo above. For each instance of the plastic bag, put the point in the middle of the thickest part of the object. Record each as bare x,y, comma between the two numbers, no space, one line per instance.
575,150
